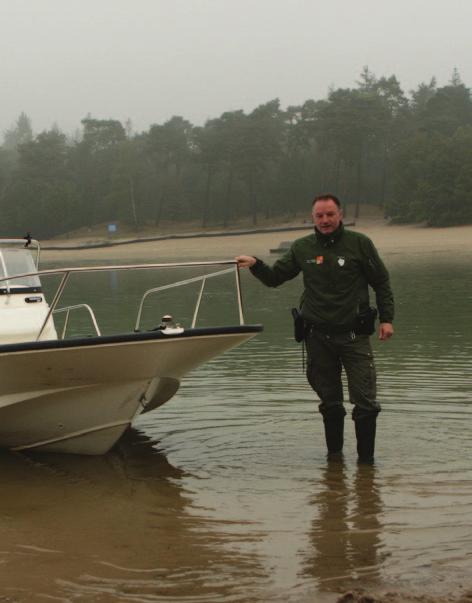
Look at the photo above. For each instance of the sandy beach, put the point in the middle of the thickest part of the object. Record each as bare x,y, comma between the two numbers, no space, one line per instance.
391,240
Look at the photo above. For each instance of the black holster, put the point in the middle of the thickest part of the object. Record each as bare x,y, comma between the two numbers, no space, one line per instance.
365,322
299,325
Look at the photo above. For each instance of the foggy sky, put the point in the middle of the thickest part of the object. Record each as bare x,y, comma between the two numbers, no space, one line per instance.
147,60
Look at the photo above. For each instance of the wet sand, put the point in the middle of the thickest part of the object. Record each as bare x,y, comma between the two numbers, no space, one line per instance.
400,240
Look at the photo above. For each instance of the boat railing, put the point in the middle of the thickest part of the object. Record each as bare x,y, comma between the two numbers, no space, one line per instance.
187,281
67,310
67,272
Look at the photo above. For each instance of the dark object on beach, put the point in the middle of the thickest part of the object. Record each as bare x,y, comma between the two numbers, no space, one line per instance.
285,245
282,248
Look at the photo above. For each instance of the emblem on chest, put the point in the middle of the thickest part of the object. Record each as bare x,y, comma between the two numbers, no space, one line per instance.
319,259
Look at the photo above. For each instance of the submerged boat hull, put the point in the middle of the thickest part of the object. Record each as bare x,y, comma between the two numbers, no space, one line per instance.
79,396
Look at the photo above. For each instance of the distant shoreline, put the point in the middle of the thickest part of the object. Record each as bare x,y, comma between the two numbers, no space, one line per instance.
196,235
399,241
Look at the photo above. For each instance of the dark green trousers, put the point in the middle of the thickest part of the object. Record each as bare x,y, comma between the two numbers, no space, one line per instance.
327,356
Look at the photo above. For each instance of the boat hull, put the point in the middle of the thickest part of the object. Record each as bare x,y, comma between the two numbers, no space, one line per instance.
79,396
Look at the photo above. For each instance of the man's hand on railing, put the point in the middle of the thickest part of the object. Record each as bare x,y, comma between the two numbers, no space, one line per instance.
245,261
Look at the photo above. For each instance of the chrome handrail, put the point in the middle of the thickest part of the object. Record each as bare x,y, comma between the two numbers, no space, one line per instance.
66,272
179,284
67,309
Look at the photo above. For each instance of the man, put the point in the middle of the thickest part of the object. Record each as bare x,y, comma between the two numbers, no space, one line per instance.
337,265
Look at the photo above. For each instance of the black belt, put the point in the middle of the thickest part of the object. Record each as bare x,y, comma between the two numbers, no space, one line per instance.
328,329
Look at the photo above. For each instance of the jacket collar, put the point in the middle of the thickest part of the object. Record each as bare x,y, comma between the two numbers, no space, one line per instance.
329,239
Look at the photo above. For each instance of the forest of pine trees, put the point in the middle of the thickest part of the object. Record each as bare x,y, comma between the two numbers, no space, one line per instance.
410,154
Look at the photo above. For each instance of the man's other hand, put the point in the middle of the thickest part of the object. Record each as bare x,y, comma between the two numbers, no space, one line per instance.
385,331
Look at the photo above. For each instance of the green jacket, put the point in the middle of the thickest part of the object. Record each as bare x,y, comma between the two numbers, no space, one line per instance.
337,270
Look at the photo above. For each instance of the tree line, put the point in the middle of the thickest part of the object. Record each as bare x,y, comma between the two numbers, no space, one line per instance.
410,155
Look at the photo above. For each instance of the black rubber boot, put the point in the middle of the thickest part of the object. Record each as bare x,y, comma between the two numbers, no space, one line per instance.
333,419
365,435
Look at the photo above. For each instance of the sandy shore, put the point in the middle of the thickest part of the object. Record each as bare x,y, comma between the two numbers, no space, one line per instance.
391,240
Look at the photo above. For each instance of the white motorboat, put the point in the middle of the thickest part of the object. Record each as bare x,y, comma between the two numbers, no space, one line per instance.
78,394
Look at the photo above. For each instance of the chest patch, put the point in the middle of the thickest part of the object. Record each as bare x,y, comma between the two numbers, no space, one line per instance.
318,260
341,261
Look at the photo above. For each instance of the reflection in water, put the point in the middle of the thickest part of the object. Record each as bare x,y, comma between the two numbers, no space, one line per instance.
345,533
75,528
366,525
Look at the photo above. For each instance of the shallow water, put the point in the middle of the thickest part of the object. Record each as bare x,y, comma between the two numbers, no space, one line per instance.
225,493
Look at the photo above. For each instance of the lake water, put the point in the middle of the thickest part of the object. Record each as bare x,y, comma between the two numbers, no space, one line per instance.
225,493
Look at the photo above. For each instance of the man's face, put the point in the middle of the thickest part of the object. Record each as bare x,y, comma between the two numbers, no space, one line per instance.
326,216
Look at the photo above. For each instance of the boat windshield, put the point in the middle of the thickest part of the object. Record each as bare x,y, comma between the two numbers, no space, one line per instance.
17,261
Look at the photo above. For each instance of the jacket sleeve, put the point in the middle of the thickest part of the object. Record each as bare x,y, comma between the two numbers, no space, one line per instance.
283,270
378,278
